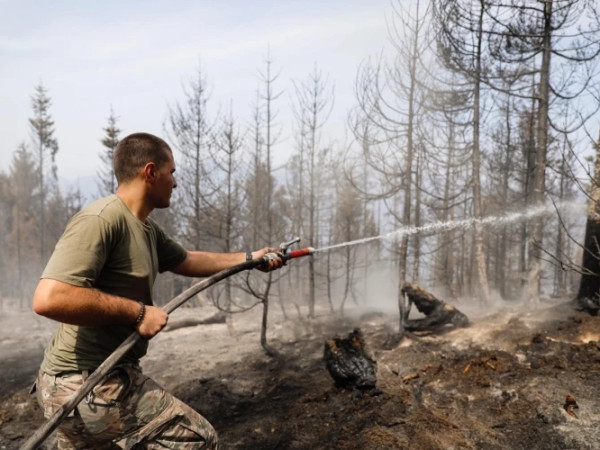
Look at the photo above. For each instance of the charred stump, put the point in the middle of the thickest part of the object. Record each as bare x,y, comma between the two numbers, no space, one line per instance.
438,314
349,362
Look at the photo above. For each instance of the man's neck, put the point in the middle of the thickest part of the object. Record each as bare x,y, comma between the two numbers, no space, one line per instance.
134,200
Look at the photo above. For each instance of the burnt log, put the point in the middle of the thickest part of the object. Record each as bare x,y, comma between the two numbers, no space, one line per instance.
218,317
349,362
439,315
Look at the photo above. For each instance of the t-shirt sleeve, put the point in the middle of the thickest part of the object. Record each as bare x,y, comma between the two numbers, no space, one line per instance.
80,253
170,253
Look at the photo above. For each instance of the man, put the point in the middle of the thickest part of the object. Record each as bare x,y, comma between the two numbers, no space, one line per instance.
98,284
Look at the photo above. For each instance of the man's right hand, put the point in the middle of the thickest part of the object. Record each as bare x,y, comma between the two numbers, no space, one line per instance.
273,263
154,320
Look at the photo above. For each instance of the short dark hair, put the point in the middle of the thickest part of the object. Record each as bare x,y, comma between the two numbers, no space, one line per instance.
135,151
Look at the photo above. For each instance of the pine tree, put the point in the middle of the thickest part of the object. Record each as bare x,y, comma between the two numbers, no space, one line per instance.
46,147
22,227
107,183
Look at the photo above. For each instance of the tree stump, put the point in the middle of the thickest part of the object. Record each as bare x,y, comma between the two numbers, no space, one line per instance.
349,362
439,315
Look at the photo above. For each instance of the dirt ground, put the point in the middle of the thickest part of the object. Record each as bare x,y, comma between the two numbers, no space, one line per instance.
501,383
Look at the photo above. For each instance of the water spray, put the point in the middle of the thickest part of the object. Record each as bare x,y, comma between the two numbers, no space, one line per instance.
464,224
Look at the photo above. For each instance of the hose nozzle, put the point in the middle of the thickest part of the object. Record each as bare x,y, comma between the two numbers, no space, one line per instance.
297,253
290,254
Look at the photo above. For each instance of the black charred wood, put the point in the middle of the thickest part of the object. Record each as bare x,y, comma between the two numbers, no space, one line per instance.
349,362
588,297
438,314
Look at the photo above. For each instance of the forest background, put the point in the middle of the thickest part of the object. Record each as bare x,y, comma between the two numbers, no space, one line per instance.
473,110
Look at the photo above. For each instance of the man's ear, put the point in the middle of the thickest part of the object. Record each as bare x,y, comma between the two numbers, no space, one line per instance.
149,172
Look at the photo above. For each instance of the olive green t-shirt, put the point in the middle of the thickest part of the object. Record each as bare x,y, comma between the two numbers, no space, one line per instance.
106,247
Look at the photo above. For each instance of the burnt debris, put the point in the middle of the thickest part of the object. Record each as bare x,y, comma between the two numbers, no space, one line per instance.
438,314
349,362
571,405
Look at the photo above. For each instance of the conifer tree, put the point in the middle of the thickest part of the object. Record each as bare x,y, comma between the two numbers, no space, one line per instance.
107,183
45,147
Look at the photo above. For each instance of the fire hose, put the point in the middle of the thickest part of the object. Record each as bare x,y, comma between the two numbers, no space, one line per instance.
103,369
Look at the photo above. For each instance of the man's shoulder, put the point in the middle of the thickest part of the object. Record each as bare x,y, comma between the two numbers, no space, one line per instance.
106,213
107,208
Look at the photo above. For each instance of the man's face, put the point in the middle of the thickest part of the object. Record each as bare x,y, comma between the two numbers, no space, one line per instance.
164,183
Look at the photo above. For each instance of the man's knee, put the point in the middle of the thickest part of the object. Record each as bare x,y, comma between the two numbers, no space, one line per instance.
177,427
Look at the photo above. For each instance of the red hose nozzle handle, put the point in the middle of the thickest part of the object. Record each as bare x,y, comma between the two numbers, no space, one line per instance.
291,254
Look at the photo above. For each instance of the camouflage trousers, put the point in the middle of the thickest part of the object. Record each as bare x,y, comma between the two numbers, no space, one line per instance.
127,410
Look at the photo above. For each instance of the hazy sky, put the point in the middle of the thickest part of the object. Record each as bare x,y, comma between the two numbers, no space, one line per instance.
137,55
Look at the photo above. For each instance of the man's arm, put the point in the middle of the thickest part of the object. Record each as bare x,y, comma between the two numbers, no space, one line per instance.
90,307
205,264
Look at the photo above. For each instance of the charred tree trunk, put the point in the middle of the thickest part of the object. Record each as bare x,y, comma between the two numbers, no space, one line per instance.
482,276
588,297
534,272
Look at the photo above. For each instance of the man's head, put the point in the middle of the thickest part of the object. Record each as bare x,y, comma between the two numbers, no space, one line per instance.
147,158
135,151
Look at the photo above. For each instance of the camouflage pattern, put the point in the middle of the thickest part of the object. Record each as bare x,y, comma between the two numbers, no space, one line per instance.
127,410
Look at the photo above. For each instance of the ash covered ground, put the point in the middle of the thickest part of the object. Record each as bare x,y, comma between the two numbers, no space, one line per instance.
501,383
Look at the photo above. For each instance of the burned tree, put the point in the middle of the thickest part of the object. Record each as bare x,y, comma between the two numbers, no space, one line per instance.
190,130
264,215
588,297
312,107
438,314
